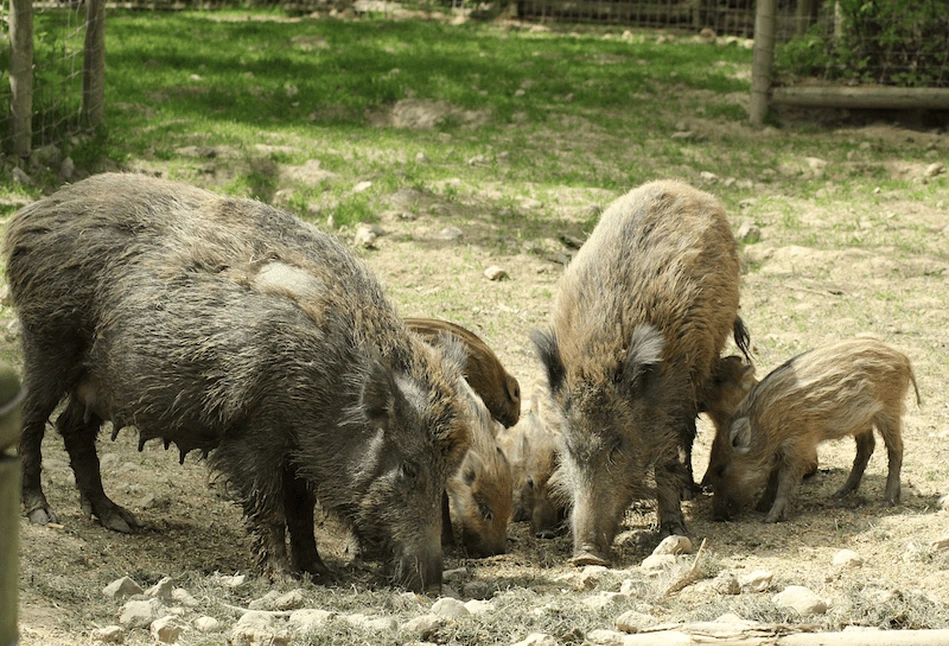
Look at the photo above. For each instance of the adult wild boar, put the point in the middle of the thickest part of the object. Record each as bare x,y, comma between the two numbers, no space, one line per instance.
641,314
225,325
840,389
499,391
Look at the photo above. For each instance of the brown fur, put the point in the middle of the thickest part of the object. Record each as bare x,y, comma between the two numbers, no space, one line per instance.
640,317
838,390
498,389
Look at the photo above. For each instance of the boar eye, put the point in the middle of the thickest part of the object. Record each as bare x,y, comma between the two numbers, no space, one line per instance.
486,512
408,471
530,482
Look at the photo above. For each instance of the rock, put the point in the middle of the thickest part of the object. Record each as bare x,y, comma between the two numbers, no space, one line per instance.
674,545
479,606
847,558
456,574
801,600
654,563
933,169
290,601
448,607
182,596
121,588
232,581
109,635
258,629
589,577
307,619
426,626
495,273
450,233
748,233
756,581
372,624
726,583
265,602
161,590
139,613
939,545
708,176
605,637
361,187
537,639
604,600
167,629
632,621
206,624
365,237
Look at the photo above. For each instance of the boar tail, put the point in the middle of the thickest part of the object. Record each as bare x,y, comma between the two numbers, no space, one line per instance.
742,338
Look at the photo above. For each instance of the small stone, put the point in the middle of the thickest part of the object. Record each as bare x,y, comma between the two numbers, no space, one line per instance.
939,545
207,624
601,637
726,583
362,186
632,621
307,619
495,273
365,237
537,639
257,628
422,158
801,600
161,590
182,596
479,606
674,545
167,629
933,169
139,613
425,626
589,577
748,233
757,581
656,562
109,635
450,233
290,601
448,607
121,588
604,600
233,581
265,602
372,624
708,176
847,558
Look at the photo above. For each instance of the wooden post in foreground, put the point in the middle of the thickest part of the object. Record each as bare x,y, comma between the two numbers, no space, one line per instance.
762,62
21,75
11,396
93,64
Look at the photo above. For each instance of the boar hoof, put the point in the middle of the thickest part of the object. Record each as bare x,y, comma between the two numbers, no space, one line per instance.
587,557
674,528
42,515
119,520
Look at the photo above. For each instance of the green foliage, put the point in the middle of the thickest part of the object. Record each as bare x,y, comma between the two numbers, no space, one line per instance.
892,42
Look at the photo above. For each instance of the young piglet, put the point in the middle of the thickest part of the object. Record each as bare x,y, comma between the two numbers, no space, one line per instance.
841,389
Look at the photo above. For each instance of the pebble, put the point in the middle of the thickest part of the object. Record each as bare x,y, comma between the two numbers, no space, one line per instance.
655,563
602,637
495,273
139,613
448,607
674,545
632,621
726,583
372,624
425,626
479,606
800,599
756,581
121,588
265,602
450,233
847,558
109,634
167,629
604,600
258,628
161,590
206,624
365,237
306,619
184,597
362,186
933,169
290,601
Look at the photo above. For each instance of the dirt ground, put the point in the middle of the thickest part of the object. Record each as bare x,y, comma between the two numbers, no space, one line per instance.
875,264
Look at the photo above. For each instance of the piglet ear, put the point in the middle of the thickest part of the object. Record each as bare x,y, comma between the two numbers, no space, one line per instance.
549,354
637,372
748,380
378,397
739,434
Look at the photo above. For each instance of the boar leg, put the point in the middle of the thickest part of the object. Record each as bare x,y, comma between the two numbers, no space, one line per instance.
787,478
890,429
298,504
865,444
448,534
668,488
687,436
79,431
770,492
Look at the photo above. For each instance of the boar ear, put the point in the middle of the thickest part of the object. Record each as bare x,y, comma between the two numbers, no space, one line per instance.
642,359
378,395
471,468
739,433
549,354
748,378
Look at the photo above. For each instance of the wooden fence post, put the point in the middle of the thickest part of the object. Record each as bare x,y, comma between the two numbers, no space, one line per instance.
11,396
21,75
93,64
762,61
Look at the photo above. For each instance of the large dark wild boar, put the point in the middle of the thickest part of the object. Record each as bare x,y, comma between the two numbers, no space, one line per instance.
225,325
641,315
841,389
498,389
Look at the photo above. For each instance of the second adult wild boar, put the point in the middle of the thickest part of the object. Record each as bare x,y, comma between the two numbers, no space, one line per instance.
641,314
841,389
228,326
